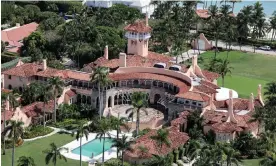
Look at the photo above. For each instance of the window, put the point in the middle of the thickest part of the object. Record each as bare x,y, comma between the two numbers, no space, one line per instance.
20,89
194,103
9,76
36,77
187,101
10,87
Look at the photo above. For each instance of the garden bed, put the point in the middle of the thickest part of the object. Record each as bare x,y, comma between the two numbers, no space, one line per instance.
68,124
36,131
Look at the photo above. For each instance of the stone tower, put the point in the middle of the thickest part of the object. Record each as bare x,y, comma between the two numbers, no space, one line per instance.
138,34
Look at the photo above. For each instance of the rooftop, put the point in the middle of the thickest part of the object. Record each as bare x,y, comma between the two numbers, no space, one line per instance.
138,26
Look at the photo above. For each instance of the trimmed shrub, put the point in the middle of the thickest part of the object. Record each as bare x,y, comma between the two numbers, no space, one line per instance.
36,131
68,124
113,162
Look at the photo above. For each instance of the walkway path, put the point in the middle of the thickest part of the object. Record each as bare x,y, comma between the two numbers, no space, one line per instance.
247,48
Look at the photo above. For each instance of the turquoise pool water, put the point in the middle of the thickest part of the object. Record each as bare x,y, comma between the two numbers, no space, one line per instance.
95,146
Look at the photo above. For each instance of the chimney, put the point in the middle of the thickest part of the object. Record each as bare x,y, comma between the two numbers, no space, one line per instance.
44,63
259,95
106,52
17,24
231,117
194,62
122,59
251,102
147,19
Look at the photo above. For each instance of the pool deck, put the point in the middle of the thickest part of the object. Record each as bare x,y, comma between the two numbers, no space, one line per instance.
111,153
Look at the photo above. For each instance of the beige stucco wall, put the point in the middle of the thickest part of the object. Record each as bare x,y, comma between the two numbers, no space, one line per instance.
208,45
19,115
140,48
15,81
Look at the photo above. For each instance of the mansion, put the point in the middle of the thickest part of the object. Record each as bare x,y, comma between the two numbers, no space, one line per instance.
177,88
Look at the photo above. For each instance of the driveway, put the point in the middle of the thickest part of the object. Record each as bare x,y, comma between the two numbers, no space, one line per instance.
246,48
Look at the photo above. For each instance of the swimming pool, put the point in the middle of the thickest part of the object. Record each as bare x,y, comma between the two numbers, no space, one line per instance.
95,146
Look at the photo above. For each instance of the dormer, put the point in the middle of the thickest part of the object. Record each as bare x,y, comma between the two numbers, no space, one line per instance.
160,65
175,67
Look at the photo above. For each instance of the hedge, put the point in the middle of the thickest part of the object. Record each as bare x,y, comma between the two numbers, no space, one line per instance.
36,131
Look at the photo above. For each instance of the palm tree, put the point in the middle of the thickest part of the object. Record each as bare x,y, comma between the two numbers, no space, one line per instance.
244,20
232,156
159,161
192,149
56,84
4,99
122,144
139,102
161,138
224,69
14,131
269,139
53,154
100,76
258,116
270,93
269,161
116,124
233,4
25,161
45,94
104,127
81,131
272,26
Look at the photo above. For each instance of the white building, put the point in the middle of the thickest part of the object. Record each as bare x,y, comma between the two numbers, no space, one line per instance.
143,5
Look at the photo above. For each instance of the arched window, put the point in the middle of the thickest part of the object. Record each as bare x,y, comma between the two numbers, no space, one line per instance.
79,98
88,100
83,99
10,87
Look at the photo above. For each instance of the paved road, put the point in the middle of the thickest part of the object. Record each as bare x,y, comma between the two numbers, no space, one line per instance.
246,48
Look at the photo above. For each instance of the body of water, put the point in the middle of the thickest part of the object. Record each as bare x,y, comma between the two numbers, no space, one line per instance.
269,6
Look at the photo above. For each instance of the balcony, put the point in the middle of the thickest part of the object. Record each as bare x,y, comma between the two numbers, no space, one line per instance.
137,36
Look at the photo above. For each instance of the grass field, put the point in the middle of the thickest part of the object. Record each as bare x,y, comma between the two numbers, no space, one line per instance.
252,162
249,70
34,149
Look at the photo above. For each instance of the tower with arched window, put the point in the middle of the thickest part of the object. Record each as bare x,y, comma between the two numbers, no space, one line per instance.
138,34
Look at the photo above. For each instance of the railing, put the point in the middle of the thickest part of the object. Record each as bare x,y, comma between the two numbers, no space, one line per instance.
146,36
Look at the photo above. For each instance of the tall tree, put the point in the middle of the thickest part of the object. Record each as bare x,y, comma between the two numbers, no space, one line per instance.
81,131
258,116
56,86
103,127
4,100
270,94
192,149
100,77
224,69
232,156
272,26
45,94
139,102
122,144
116,124
159,161
25,161
244,20
53,154
161,138
14,131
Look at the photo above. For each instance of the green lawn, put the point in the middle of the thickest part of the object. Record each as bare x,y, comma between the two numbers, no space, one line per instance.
252,162
249,70
35,148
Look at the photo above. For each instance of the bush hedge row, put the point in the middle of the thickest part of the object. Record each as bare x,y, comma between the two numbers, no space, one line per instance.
36,131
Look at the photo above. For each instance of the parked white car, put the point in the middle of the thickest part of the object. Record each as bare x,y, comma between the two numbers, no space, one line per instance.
266,48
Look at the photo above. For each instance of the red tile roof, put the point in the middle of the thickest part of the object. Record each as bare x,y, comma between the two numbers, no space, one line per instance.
203,13
197,96
204,89
238,104
210,84
36,108
210,75
70,93
217,120
32,69
138,26
176,138
16,34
